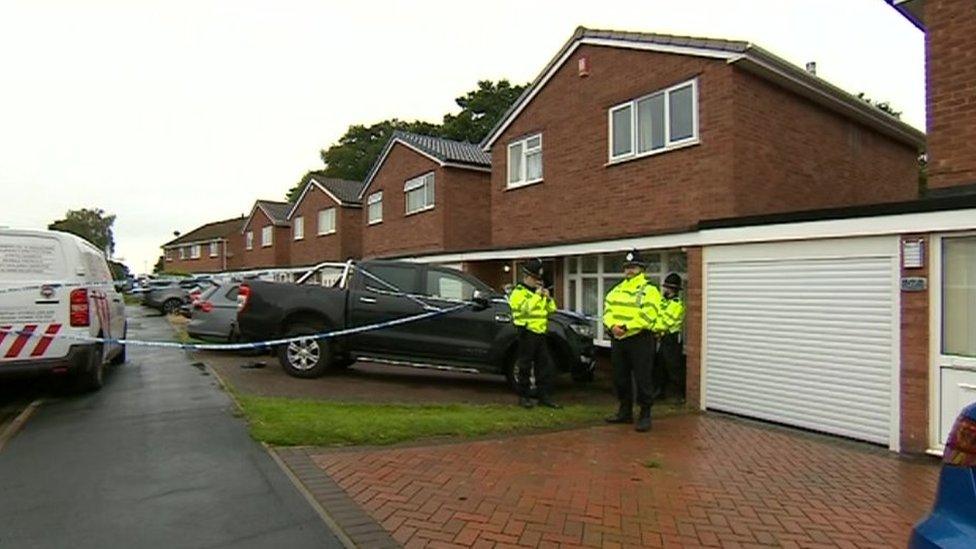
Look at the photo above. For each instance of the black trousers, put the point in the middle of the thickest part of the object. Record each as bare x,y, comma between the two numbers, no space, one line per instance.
669,367
632,359
533,364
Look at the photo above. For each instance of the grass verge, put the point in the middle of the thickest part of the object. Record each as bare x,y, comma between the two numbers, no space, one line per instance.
299,422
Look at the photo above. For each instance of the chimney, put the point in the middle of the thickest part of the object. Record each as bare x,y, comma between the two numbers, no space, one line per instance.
812,67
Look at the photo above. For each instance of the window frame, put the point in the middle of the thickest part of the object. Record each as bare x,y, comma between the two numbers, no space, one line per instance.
267,231
214,249
371,200
318,222
168,254
182,252
415,183
249,240
523,181
298,227
669,144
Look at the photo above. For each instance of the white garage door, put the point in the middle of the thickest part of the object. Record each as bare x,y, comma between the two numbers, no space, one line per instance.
804,334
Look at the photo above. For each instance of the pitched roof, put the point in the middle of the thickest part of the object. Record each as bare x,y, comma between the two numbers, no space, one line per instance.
445,152
210,231
743,54
343,191
277,212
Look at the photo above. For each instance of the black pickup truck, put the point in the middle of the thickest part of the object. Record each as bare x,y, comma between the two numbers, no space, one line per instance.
479,338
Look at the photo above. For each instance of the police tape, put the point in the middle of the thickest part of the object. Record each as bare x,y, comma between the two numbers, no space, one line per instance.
240,346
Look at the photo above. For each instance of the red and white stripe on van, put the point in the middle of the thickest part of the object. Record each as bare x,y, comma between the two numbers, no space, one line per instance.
20,342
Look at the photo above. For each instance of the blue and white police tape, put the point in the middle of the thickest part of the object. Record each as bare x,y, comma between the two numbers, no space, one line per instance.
242,346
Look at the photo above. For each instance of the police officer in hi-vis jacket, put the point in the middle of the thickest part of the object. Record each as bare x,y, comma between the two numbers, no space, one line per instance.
669,368
531,306
630,314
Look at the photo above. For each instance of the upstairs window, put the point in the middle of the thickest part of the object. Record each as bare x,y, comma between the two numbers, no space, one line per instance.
249,240
327,221
298,227
214,249
195,251
656,122
419,193
182,252
525,161
267,236
169,255
374,204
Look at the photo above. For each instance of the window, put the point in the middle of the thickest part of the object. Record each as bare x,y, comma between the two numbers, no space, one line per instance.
449,286
327,221
419,193
214,249
298,227
403,278
195,251
169,255
182,252
267,236
249,240
657,122
375,208
525,161
959,296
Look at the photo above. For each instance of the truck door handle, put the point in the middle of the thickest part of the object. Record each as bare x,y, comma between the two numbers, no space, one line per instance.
369,300
503,318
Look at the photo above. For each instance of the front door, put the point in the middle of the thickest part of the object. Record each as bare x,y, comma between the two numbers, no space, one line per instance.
954,262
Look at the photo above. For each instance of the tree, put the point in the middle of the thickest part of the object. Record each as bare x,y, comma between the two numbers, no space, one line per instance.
160,265
480,110
91,224
882,106
119,270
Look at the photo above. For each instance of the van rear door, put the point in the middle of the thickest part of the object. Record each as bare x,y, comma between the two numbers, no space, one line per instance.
31,265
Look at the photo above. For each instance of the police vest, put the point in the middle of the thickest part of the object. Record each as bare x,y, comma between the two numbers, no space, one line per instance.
671,317
633,304
530,309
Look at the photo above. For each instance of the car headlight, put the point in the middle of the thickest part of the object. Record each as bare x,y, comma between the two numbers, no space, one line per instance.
584,330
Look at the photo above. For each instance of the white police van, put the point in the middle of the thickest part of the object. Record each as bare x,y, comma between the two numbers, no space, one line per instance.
55,284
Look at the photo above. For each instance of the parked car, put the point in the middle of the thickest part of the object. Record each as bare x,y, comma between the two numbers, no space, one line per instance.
479,338
43,262
952,522
213,315
168,296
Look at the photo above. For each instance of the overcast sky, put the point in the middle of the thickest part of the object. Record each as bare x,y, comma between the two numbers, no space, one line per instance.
171,114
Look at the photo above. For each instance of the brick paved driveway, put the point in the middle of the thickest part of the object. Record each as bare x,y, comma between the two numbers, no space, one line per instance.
695,481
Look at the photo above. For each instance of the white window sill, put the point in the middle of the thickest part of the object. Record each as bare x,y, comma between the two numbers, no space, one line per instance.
520,184
675,147
266,245
377,222
249,249
213,256
326,233
421,210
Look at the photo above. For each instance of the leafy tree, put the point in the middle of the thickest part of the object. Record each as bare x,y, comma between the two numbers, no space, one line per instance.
91,224
882,106
119,270
481,109
159,266
356,151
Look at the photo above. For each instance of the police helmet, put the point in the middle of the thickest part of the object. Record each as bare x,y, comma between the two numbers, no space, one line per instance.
672,281
634,259
534,268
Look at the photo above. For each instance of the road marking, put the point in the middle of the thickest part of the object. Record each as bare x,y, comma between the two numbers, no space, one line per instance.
18,422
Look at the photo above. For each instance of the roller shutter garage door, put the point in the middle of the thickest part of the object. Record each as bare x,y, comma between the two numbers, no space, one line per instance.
804,334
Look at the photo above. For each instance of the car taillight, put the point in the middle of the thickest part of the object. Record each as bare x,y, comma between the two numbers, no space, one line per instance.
205,306
194,297
79,314
960,448
243,293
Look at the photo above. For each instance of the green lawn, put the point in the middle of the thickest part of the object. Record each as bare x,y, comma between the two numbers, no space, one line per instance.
297,422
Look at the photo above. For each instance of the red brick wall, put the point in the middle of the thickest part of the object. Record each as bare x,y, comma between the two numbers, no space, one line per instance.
275,255
915,331
401,234
791,155
693,332
951,98
467,219
203,264
315,248
581,198
491,273
235,251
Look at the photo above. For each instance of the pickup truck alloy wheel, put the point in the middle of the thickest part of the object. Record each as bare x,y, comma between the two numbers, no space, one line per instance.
304,355
307,358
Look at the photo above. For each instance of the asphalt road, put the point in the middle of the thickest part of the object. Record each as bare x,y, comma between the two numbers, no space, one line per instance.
154,459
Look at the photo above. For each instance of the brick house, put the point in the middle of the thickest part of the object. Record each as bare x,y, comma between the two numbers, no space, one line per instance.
207,249
266,236
326,221
425,195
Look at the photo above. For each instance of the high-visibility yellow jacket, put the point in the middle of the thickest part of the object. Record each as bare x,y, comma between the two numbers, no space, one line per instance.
530,309
671,317
634,304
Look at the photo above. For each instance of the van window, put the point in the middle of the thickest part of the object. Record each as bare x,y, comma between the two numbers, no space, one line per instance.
27,257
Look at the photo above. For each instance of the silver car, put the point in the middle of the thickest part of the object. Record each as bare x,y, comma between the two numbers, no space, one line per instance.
212,316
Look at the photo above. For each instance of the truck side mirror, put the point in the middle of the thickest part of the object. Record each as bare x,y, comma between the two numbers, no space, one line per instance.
481,300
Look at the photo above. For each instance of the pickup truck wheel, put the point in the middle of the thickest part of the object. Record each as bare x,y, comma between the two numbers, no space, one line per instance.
308,358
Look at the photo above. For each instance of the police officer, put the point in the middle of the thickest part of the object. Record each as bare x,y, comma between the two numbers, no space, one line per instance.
630,313
531,306
669,366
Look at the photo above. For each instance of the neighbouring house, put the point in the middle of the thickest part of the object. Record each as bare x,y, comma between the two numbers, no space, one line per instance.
426,195
326,221
207,249
266,236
